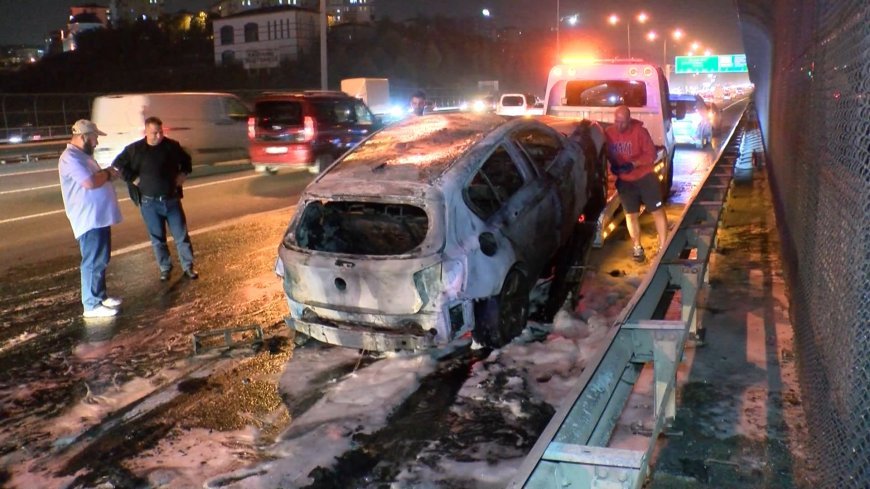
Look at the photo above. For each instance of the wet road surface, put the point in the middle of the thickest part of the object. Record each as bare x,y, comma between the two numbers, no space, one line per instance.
124,402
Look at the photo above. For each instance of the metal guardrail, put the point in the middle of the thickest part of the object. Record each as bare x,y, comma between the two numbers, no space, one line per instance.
573,450
27,152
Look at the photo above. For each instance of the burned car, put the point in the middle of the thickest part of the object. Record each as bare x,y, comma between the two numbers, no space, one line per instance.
434,228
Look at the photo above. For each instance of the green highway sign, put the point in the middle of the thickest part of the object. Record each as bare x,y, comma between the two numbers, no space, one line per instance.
723,63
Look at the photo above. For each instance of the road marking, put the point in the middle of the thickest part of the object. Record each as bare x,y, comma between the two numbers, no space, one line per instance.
28,189
51,213
28,172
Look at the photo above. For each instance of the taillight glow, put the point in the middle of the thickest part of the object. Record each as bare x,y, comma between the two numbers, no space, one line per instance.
310,131
252,131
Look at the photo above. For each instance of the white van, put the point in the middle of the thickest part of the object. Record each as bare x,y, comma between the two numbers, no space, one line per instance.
212,127
592,89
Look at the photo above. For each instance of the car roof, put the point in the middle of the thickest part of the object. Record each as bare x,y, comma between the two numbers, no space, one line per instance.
308,94
415,150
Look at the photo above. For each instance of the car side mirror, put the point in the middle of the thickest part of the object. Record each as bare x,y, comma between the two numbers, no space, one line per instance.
488,244
681,112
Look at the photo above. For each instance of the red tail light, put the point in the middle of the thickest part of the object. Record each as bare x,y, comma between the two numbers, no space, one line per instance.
310,131
252,124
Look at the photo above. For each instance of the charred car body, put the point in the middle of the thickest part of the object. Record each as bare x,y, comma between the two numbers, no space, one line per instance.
435,227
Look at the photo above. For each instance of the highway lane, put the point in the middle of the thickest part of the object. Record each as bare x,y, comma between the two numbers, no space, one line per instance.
34,228
66,364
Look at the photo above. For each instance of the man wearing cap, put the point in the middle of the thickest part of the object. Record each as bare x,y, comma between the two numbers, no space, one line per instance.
92,208
160,165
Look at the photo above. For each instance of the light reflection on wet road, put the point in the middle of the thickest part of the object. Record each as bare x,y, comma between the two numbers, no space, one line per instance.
79,403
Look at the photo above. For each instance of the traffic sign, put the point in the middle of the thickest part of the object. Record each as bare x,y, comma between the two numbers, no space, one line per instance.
723,63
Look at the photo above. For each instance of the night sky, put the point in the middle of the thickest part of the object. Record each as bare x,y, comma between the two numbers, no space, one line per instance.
712,22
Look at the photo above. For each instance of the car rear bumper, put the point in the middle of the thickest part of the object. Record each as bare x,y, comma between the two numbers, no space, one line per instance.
355,337
281,154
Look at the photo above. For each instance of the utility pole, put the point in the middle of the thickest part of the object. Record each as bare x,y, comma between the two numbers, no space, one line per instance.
324,85
558,21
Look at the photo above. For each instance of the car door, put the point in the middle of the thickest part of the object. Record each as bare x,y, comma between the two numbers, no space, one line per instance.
517,205
558,173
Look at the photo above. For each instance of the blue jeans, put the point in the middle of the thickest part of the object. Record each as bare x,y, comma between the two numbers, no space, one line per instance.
96,246
157,214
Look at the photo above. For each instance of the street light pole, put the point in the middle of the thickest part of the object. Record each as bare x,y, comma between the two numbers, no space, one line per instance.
558,21
628,35
323,27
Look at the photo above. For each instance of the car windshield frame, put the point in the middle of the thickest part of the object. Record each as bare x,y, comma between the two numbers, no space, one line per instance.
605,93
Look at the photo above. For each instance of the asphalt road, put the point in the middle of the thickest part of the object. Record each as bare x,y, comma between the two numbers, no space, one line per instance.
84,405
34,228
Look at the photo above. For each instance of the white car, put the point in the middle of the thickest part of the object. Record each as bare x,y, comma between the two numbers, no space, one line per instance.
435,227
692,120
515,104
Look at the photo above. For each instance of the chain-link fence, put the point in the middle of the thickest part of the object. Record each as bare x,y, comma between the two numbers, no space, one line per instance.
815,97
33,117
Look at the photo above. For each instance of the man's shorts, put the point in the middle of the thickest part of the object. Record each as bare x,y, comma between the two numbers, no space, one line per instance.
644,190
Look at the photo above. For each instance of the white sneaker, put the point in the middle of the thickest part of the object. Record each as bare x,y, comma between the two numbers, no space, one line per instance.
112,302
100,312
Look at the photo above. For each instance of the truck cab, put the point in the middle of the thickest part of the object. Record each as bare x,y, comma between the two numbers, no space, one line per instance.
593,89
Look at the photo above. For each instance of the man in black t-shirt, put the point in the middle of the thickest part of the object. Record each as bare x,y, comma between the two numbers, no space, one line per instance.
160,165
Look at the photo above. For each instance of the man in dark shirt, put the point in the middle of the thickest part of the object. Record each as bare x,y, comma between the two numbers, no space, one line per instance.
160,165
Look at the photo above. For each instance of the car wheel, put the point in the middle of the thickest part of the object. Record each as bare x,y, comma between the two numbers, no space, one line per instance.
499,319
321,163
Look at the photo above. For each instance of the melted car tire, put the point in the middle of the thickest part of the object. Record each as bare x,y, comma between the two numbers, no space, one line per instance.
597,188
501,318
564,281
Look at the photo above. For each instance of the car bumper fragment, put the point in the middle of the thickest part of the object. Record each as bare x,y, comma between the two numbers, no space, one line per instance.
363,340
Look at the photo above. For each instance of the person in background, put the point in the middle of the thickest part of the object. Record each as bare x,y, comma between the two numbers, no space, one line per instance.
91,206
632,156
160,165
418,102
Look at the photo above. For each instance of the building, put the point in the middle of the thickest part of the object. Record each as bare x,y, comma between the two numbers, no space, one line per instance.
101,12
131,10
227,8
264,38
350,11
83,18
339,11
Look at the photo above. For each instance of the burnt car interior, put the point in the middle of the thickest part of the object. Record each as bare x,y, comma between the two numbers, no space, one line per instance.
542,149
362,228
493,184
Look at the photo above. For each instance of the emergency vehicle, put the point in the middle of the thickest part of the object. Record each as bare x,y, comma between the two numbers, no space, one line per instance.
592,89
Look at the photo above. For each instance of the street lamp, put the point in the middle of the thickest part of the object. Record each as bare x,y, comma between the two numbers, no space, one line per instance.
641,18
676,34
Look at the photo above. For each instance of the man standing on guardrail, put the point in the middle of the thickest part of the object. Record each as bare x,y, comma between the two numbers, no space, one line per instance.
161,166
632,156
92,208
